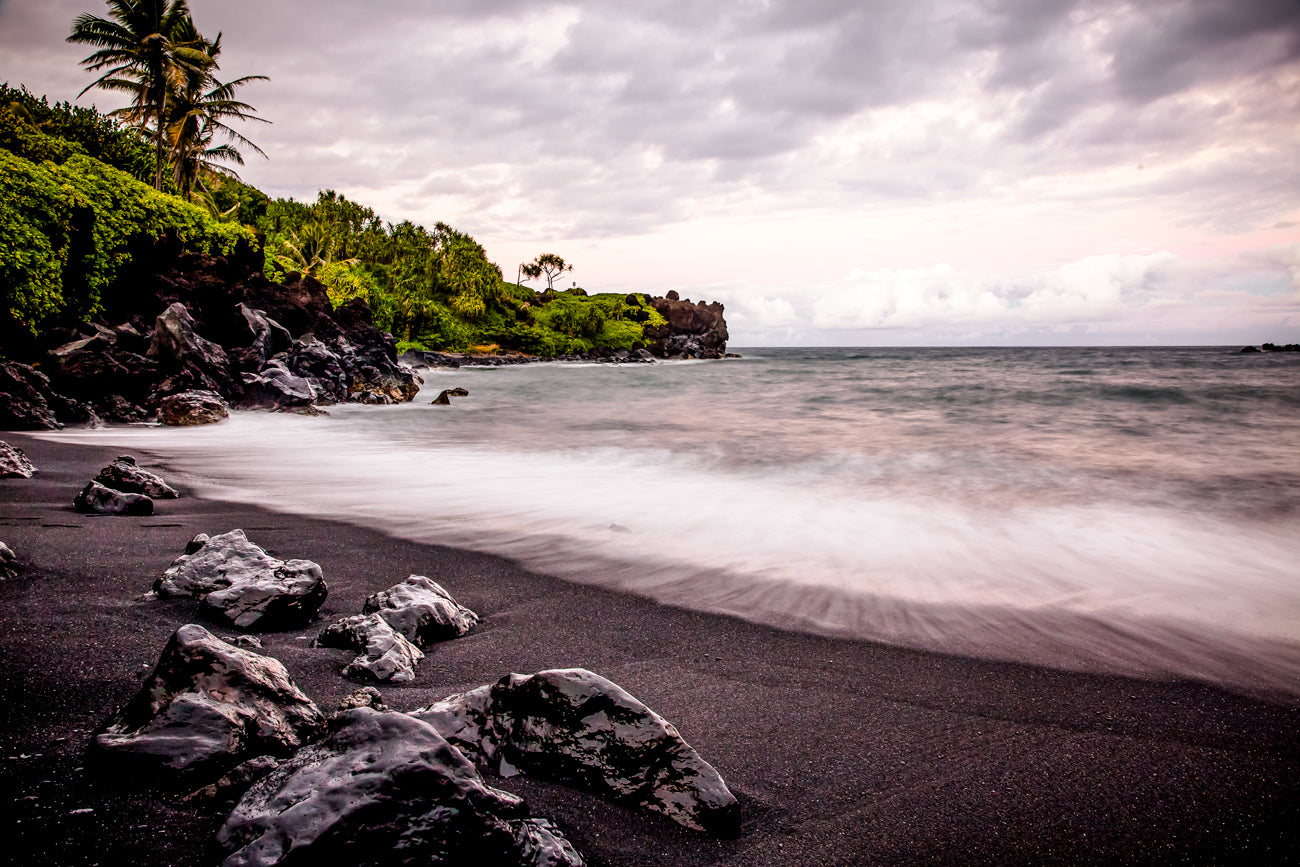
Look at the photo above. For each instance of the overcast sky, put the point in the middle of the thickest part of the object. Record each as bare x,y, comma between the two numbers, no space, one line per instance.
839,172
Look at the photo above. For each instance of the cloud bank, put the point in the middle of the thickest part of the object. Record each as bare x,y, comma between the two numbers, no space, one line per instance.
924,145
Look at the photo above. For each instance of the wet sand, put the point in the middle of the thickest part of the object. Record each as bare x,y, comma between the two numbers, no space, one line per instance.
841,752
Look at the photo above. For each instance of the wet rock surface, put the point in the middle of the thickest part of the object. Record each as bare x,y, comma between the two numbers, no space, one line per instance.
384,789
95,499
422,610
192,408
14,463
385,654
576,727
123,475
207,707
188,361
238,583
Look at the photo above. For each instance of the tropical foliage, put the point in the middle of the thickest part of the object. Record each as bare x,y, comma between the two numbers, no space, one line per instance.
152,51
69,231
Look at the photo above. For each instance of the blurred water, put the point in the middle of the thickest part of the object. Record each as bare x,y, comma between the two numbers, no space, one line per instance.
1132,510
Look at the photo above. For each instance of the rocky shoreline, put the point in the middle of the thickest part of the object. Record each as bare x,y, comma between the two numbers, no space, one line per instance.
201,335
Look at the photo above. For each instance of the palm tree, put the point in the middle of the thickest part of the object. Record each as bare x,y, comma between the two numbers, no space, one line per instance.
197,111
143,46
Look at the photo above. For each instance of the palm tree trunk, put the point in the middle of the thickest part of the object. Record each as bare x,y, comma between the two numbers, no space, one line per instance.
158,147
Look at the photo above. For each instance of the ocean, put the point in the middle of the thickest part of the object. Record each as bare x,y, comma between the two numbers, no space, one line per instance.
1119,510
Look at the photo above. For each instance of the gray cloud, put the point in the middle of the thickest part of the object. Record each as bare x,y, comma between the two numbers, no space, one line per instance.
624,116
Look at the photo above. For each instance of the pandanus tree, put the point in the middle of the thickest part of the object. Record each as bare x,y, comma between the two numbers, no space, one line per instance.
547,265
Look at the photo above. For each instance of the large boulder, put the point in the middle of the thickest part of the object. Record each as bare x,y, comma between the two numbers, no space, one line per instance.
576,727
123,475
95,499
320,366
385,654
240,584
261,338
192,408
207,707
188,361
274,387
14,464
422,610
384,789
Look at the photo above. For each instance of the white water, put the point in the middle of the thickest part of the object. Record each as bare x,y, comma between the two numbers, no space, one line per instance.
1034,545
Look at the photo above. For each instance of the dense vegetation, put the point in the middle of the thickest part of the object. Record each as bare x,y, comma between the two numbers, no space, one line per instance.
75,207
83,195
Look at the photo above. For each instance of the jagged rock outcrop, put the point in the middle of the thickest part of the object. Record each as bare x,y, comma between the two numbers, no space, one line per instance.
189,362
384,789
367,696
576,727
14,464
692,330
123,475
422,610
95,499
274,387
106,371
367,355
385,654
240,584
192,407
206,708
29,402
296,304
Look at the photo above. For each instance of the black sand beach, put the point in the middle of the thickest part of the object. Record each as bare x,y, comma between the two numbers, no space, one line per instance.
841,752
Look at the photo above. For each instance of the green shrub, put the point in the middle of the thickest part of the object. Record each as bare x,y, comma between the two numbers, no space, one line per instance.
67,232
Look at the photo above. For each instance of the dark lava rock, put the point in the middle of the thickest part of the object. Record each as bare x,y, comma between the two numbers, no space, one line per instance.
385,654
445,396
95,499
367,696
691,331
14,464
237,781
367,355
192,407
576,727
240,584
274,387
123,475
422,610
25,399
265,338
321,367
384,789
189,362
8,561
296,304
206,708
101,371
1248,349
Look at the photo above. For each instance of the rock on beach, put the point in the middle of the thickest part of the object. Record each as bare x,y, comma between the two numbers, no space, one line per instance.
207,707
574,726
385,789
240,584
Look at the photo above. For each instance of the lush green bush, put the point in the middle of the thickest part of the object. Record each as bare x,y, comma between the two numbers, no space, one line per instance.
67,232
36,130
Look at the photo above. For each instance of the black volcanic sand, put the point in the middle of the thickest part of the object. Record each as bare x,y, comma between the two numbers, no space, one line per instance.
841,752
